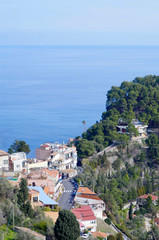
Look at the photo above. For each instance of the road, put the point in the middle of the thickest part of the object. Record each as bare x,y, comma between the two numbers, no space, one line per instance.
66,198
117,230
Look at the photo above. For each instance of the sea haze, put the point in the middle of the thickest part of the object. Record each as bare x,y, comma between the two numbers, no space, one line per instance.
46,92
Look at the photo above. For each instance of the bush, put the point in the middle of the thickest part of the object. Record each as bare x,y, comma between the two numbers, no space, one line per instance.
108,221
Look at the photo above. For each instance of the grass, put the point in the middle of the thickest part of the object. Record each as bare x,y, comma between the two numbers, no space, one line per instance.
8,234
104,227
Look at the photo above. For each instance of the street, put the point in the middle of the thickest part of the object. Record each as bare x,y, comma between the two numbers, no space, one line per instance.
67,197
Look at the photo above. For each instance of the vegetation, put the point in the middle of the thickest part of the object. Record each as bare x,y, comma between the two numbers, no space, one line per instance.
19,146
15,201
121,177
66,226
137,99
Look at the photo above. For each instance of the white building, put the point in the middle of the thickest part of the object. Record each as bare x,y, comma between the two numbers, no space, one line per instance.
59,156
17,161
141,127
85,196
4,161
86,218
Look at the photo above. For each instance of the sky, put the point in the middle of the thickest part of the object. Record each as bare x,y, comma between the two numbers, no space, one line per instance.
79,22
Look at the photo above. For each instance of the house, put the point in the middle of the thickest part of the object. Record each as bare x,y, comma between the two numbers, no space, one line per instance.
85,196
142,199
17,161
86,218
34,198
39,198
141,127
4,161
36,164
59,156
49,180
156,220
100,235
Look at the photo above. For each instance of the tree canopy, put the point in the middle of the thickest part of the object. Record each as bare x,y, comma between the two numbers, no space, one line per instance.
66,226
19,146
138,99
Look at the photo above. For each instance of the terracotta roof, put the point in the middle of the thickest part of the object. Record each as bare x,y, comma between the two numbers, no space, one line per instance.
46,190
53,172
156,220
33,192
147,195
99,234
84,213
3,153
45,145
85,190
89,196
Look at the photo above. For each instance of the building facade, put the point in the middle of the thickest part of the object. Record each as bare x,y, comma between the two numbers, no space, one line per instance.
4,161
59,156
17,161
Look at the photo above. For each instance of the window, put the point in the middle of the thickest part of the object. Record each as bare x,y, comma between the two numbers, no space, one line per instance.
93,221
5,162
35,199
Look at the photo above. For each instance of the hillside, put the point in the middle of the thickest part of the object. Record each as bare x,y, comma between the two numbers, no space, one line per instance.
138,99
129,169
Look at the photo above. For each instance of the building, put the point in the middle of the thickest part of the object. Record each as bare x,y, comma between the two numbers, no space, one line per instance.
85,196
49,180
86,218
156,220
141,127
17,161
59,156
37,165
142,199
4,161
38,197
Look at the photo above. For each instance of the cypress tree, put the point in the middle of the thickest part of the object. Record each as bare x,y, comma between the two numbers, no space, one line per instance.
130,212
66,226
23,192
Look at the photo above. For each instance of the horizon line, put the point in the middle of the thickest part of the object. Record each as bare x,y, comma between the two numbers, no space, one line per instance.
75,45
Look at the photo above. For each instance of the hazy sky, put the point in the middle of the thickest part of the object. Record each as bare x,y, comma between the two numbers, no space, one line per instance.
79,22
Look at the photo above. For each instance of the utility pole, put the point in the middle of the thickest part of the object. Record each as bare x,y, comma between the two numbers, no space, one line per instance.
13,216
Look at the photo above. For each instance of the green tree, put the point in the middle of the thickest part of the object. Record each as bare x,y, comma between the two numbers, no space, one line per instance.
119,236
85,148
132,130
66,226
131,212
19,146
111,237
148,203
84,124
23,192
23,201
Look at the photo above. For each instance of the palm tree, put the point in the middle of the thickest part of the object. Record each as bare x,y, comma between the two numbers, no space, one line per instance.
84,124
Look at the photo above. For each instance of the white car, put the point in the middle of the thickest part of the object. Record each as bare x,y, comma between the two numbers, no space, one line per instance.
85,236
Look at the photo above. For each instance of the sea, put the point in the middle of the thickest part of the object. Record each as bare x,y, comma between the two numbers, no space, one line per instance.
47,91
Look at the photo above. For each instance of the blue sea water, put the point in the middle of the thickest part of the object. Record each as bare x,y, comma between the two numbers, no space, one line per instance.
46,92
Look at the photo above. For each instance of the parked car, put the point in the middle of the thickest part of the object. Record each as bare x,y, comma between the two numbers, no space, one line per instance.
85,236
